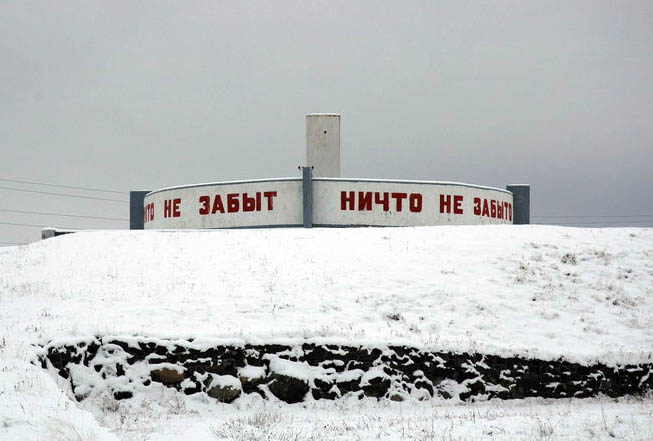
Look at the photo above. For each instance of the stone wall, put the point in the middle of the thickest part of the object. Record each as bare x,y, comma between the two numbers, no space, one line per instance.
126,366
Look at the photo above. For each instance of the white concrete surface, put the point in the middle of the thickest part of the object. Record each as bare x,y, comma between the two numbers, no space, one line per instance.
323,144
336,202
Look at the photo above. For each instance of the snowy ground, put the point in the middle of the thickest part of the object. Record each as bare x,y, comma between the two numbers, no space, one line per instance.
171,416
365,420
545,292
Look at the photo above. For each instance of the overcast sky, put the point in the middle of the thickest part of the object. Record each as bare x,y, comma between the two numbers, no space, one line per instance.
148,94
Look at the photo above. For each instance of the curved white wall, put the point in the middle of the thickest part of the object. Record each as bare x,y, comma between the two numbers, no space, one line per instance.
405,203
336,202
275,202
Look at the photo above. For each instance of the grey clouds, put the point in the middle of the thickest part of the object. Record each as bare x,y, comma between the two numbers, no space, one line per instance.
143,95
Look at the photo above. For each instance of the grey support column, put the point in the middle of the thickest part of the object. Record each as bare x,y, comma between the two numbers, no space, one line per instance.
48,233
136,209
521,203
307,201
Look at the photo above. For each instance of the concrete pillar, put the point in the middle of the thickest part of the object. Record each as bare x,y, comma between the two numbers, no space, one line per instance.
48,233
307,200
137,209
323,144
521,203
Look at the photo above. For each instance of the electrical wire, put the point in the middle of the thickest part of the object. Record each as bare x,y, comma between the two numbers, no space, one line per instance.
62,186
33,225
63,215
65,195
592,217
600,222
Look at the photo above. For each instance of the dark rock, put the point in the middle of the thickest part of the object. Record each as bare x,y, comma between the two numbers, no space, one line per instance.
195,388
250,384
224,394
377,387
288,389
167,376
329,394
484,375
324,390
421,384
122,395
346,387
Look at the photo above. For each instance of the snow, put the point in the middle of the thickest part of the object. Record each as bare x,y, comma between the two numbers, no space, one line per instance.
535,291
251,372
294,369
497,289
198,418
33,407
225,381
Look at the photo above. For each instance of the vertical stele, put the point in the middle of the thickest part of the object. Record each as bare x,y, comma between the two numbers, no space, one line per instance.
323,144
521,203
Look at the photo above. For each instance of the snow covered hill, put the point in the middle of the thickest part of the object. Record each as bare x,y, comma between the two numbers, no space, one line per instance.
534,291
546,292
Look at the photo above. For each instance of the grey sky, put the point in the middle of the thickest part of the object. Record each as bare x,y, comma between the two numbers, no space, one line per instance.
142,95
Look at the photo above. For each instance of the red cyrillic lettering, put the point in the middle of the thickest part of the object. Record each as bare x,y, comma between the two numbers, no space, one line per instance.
485,210
364,200
258,201
415,202
457,204
249,204
385,201
167,208
175,208
346,200
445,202
500,211
399,197
477,206
270,195
493,208
233,205
148,213
217,205
206,205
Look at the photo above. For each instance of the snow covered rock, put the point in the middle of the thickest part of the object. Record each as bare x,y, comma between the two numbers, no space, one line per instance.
224,388
291,373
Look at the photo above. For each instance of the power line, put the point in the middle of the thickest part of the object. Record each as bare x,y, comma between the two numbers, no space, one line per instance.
63,186
601,222
64,215
65,195
49,226
593,217
16,224
30,225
